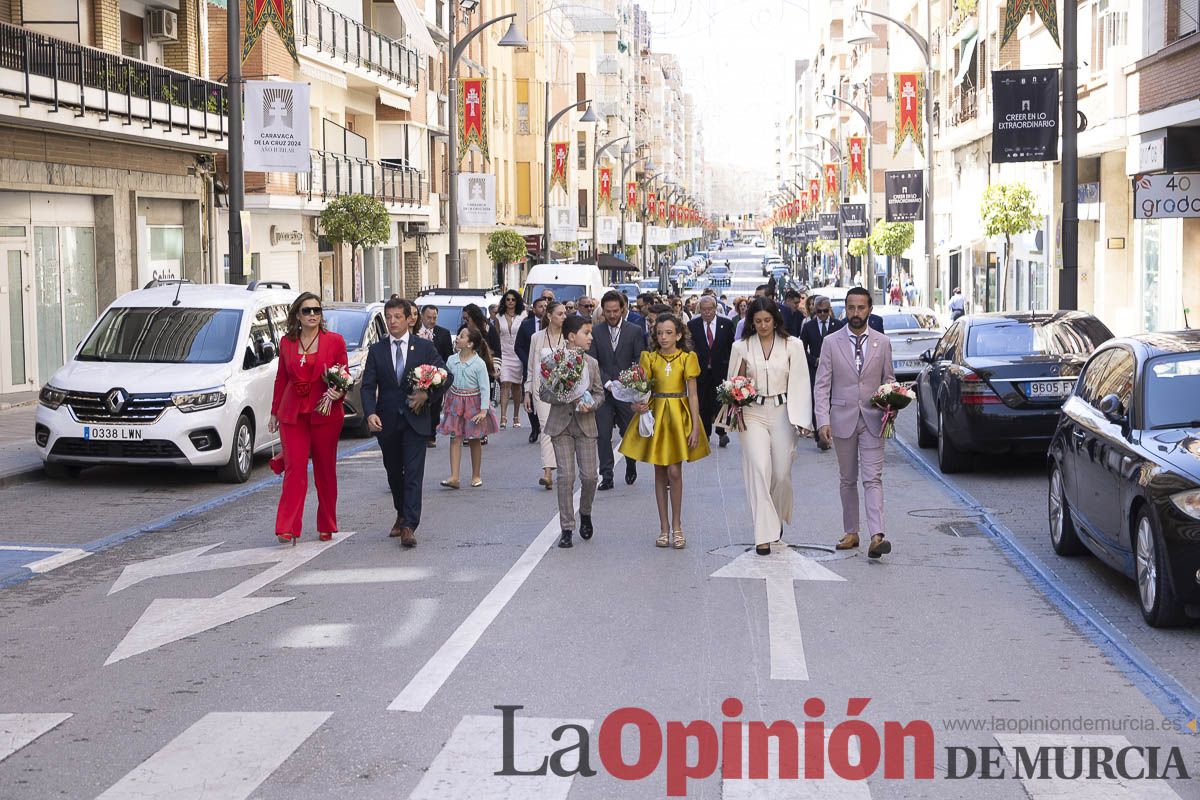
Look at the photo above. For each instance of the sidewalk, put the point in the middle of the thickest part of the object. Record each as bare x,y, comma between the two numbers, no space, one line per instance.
19,461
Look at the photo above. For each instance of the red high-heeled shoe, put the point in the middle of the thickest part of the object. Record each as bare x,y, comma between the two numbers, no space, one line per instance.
325,537
286,538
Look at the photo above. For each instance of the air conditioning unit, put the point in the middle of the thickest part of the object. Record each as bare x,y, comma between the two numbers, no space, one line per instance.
164,25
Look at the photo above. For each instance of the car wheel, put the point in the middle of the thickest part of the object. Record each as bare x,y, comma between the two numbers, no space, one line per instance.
61,472
1063,537
925,438
1156,596
950,458
241,455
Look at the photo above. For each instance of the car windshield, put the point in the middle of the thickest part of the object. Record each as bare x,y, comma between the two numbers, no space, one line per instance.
450,317
164,335
908,322
1014,338
562,293
351,323
1172,385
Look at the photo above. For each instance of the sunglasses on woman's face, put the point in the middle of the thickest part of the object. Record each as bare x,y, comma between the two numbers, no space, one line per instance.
311,312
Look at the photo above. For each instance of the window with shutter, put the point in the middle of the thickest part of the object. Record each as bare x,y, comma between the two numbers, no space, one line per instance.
581,150
583,208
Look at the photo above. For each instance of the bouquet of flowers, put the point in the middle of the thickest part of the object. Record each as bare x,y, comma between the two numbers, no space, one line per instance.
338,379
891,397
633,386
734,395
426,377
564,378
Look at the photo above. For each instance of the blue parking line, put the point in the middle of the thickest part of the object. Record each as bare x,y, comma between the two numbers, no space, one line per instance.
1159,687
12,578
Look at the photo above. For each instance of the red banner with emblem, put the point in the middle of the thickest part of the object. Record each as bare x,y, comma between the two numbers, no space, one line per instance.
631,195
651,205
472,116
662,210
856,150
910,109
561,151
1015,11
814,192
605,194
257,13
831,182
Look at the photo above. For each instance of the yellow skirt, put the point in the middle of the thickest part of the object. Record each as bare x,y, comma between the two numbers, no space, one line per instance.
672,426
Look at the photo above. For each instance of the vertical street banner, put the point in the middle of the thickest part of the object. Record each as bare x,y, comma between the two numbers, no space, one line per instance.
904,192
257,13
476,199
275,138
1025,118
559,153
853,217
472,116
831,182
564,224
856,149
828,227
631,193
1015,11
605,196
910,109
803,203
606,229
814,192
651,206
662,210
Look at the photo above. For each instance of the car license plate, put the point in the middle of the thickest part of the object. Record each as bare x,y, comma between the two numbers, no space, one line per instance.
112,434
1047,390
906,365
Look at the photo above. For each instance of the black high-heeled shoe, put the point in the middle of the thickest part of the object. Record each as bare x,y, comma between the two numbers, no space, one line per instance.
763,549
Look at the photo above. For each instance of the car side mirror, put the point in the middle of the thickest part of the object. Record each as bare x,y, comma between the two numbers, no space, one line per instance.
268,352
927,356
1110,407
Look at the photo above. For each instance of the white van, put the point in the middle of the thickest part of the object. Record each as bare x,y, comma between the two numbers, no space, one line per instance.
451,302
172,374
567,281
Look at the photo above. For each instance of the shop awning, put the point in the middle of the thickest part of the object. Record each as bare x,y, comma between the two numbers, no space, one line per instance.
414,23
609,261
967,52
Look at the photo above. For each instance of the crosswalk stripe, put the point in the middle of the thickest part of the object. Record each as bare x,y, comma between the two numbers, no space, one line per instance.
1056,788
466,765
333,634
224,756
422,612
18,730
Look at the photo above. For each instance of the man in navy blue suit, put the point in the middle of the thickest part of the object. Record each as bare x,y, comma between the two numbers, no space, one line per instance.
400,416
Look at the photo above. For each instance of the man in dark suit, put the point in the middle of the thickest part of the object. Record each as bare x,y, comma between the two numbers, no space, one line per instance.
428,329
813,334
399,415
617,345
529,326
875,322
712,339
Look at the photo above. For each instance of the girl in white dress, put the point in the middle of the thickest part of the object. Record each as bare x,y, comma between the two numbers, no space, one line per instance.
508,323
777,364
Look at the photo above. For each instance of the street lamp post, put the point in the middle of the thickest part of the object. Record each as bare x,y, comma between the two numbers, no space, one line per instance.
512,38
599,151
646,212
922,43
588,116
237,176
649,165
865,116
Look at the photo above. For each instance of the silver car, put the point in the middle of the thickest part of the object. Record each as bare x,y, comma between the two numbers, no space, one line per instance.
913,330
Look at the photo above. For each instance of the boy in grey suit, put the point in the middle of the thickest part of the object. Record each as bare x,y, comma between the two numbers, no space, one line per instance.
573,433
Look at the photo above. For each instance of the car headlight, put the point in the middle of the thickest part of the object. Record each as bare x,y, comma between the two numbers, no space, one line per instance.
188,402
51,396
1188,502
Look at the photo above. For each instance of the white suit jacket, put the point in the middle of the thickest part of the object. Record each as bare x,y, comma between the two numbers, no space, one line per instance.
746,354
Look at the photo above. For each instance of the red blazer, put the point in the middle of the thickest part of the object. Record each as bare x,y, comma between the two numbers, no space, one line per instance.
298,388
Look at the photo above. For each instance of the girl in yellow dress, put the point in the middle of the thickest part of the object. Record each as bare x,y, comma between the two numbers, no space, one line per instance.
672,368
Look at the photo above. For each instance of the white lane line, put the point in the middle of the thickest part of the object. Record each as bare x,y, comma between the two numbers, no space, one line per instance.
60,560
426,683
773,787
224,756
466,766
18,730
316,636
328,577
1051,787
421,614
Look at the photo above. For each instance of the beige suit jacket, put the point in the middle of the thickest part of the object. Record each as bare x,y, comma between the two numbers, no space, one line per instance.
842,395
744,356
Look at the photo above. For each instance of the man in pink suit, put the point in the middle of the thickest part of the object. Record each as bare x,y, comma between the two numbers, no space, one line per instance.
855,361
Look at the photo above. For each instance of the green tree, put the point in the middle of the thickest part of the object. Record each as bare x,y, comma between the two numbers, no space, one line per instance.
567,250
506,246
631,253
356,220
891,239
857,247
1008,209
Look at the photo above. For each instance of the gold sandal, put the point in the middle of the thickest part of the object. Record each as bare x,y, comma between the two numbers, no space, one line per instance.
677,540
663,540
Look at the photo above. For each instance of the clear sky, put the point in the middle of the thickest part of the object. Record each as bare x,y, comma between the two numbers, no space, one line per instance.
738,58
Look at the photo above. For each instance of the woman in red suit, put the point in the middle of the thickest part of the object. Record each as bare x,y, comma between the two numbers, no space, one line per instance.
308,414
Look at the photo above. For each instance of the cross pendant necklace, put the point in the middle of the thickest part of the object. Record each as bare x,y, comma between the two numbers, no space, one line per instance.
304,349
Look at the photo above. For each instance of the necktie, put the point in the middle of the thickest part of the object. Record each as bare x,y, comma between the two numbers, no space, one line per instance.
823,323
400,362
858,352
709,329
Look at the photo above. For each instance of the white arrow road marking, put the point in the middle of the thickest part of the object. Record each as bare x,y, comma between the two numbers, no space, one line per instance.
316,636
779,570
830,787
18,730
170,619
1054,788
422,611
327,577
466,765
425,684
224,756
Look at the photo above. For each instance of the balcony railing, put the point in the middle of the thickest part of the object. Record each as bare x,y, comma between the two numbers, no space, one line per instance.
964,104
607,64
337,174
66,74
338,36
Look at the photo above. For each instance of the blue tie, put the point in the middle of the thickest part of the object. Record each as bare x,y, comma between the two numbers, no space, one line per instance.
400,362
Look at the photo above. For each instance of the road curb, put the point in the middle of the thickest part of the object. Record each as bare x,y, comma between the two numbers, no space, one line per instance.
22,475
1159,687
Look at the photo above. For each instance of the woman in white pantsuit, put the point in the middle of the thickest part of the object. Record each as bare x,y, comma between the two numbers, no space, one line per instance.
777,364
544,342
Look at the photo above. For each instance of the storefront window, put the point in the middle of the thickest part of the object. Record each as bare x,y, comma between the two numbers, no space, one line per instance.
166,251
1151,235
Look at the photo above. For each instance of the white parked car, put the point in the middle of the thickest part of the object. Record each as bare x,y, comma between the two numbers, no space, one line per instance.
179,374
913,330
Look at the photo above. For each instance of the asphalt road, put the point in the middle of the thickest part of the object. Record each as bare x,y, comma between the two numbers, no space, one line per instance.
229,667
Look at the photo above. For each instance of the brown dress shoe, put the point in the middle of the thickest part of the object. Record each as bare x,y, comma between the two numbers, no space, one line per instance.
398,528
848,542
879,546
408,537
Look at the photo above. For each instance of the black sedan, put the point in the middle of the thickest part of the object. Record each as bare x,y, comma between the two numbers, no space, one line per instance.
1124,469
361,325
995,382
